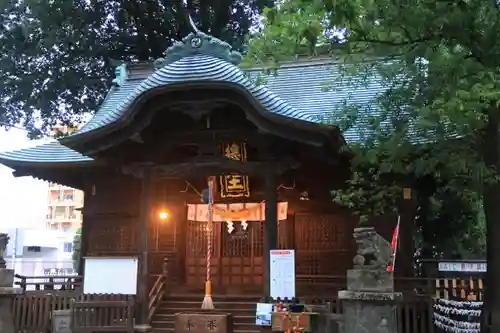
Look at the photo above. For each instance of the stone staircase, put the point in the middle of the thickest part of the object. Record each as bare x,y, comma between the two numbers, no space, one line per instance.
242,308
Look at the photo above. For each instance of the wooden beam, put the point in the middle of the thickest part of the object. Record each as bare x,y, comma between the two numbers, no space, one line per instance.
145,214
405,257
212,165
209,136
270,229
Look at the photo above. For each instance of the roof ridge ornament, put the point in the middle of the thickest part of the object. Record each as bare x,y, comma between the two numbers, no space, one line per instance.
198,42
121,74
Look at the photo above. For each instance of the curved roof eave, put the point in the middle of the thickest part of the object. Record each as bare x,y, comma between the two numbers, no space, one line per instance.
52,154
189,70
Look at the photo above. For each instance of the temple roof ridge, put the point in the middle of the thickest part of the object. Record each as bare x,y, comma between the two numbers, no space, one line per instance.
199,43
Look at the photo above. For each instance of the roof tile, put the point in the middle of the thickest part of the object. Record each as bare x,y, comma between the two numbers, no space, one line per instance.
52,152
297,91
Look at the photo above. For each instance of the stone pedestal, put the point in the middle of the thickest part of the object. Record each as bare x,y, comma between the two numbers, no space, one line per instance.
7,293
370,301
369,312
61,321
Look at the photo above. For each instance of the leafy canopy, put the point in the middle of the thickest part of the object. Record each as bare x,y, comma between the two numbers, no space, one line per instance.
437,65
57,57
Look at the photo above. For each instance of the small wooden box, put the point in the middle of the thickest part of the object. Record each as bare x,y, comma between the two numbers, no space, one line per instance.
203,322
283,321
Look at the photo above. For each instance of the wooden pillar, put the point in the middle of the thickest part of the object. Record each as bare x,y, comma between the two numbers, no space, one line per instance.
404,258
144,219
270,226
88,194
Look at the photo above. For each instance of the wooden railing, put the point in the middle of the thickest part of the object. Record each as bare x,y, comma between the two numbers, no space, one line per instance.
112,313
158,291
470,288
48,283
33,311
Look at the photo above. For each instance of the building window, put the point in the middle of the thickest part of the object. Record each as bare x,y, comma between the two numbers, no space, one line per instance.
55,195
68,247
60,212
68,195
34,249
72,212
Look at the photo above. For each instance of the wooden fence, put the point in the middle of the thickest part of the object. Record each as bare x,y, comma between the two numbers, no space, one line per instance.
471,289
111,314
467,288
33,311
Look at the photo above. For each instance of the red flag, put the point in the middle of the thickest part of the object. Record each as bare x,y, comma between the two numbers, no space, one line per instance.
394,246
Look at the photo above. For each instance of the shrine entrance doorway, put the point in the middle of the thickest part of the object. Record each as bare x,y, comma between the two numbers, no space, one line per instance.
237,260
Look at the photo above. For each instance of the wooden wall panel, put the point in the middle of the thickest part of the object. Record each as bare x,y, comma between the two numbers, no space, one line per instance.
323,244
110,215
114,195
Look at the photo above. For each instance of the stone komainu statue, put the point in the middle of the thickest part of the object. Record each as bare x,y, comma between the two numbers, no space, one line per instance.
374,252
4,240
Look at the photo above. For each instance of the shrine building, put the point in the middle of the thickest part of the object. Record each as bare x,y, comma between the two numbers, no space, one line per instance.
164,128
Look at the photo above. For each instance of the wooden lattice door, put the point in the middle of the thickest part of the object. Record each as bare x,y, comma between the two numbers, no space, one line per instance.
241,256
196,249
237,259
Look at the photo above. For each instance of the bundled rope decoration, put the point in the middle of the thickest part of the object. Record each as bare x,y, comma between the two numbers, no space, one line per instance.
458,316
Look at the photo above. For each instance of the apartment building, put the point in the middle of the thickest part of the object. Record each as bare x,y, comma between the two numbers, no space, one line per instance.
63,208
40,253
63,203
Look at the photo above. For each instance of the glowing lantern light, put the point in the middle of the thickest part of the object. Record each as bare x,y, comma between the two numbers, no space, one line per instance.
163,216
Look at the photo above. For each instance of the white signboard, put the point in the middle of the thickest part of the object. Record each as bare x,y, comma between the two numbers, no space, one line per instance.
479,267
282,274
110,275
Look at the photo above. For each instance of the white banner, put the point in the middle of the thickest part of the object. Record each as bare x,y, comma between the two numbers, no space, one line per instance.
234,212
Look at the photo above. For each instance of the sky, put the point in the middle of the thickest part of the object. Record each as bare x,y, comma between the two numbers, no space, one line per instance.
23,201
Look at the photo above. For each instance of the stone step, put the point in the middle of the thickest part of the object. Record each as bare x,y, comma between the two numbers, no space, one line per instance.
171,330
237,319
215,297
241,307
160,322
218,306
166,309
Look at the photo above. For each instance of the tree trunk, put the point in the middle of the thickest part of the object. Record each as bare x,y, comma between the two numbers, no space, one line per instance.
491,196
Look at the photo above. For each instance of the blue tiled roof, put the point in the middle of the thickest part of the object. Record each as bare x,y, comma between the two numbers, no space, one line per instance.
52,152
197,68
298,90
318,89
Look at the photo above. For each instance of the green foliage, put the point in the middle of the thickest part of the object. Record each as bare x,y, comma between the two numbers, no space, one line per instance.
438,64
57,57
76,255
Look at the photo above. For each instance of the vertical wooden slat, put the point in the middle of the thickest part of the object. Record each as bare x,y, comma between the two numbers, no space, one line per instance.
416,319
407,315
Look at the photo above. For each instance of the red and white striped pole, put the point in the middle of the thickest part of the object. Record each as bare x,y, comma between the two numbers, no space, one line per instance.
207,300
